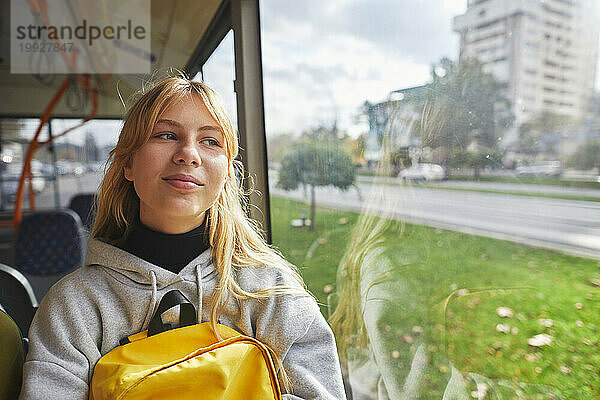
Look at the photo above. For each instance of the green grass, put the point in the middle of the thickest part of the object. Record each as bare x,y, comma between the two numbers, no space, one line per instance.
432,264
552,181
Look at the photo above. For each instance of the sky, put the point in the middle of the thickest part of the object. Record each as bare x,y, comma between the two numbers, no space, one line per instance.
323,60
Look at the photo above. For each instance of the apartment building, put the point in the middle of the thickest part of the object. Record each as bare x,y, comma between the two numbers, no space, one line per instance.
546,50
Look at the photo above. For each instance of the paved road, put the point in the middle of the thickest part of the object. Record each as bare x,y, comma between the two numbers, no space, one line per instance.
567,225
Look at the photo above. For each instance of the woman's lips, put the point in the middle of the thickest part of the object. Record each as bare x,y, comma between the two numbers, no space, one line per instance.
182,181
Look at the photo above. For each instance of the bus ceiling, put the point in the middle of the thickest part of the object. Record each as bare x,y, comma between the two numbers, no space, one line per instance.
177,28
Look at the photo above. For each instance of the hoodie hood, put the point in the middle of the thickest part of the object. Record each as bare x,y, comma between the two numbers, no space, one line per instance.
102,254
200,270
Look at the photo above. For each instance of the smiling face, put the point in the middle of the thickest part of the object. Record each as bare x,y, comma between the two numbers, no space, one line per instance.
179,173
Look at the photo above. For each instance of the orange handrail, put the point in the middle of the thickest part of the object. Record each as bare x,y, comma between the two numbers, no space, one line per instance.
35,144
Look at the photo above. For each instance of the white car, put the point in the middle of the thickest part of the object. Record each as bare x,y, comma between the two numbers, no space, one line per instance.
423,173
542,168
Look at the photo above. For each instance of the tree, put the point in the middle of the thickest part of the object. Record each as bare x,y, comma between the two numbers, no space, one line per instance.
544,123
277,146
316,164
476,159
463,106
587,156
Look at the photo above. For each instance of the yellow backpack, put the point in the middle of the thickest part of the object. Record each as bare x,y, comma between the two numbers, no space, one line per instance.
186,362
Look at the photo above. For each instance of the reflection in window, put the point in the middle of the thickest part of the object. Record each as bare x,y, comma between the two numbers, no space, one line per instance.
444,263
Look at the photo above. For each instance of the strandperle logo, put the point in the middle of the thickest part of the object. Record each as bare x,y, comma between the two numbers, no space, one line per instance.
83,32
81,36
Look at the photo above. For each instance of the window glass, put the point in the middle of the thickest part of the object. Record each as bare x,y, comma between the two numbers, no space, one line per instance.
68,165
219,73
434,175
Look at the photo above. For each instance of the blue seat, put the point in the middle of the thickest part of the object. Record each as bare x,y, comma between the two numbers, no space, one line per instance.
84,204
49,245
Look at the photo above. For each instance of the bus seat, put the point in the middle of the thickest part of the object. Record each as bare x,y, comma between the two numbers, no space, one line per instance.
84,205
49,244
17,297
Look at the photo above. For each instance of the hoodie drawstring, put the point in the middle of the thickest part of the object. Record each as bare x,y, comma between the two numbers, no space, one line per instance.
200,293
152,303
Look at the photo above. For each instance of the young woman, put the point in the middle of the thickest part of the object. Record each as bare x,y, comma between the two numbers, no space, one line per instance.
170,216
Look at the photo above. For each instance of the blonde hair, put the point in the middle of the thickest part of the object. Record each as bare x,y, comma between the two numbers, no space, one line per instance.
234,238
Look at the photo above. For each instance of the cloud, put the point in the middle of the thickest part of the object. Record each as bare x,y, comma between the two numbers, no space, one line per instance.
321,61
404,28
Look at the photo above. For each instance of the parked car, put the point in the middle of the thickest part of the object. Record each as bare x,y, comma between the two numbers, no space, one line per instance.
542,168
10,183
423,173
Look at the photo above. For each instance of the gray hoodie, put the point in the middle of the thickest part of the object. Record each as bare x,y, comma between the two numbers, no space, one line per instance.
114,295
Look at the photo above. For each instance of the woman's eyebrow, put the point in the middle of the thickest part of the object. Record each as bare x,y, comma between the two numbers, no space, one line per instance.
178,125
168,122
209,128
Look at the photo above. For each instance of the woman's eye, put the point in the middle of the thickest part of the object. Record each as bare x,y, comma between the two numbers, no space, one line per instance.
166,136
210,142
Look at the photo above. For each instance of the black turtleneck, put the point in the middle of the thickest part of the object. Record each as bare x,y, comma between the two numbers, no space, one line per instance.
171,252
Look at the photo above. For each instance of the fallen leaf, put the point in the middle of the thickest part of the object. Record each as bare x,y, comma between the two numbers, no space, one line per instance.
498,345
594,282
531,357
417,329
504,312
578,306
540,340
546,322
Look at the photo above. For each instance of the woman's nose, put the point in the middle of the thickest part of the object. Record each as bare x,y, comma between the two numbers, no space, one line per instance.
187,154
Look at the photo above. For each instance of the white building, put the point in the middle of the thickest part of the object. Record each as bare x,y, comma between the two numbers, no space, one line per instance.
546,50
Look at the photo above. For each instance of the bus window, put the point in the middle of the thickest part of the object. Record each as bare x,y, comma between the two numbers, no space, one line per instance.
434,175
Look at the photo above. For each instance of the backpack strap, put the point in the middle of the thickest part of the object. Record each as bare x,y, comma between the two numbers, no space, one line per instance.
187,312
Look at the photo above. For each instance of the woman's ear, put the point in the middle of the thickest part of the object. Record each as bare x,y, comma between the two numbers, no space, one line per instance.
127,171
